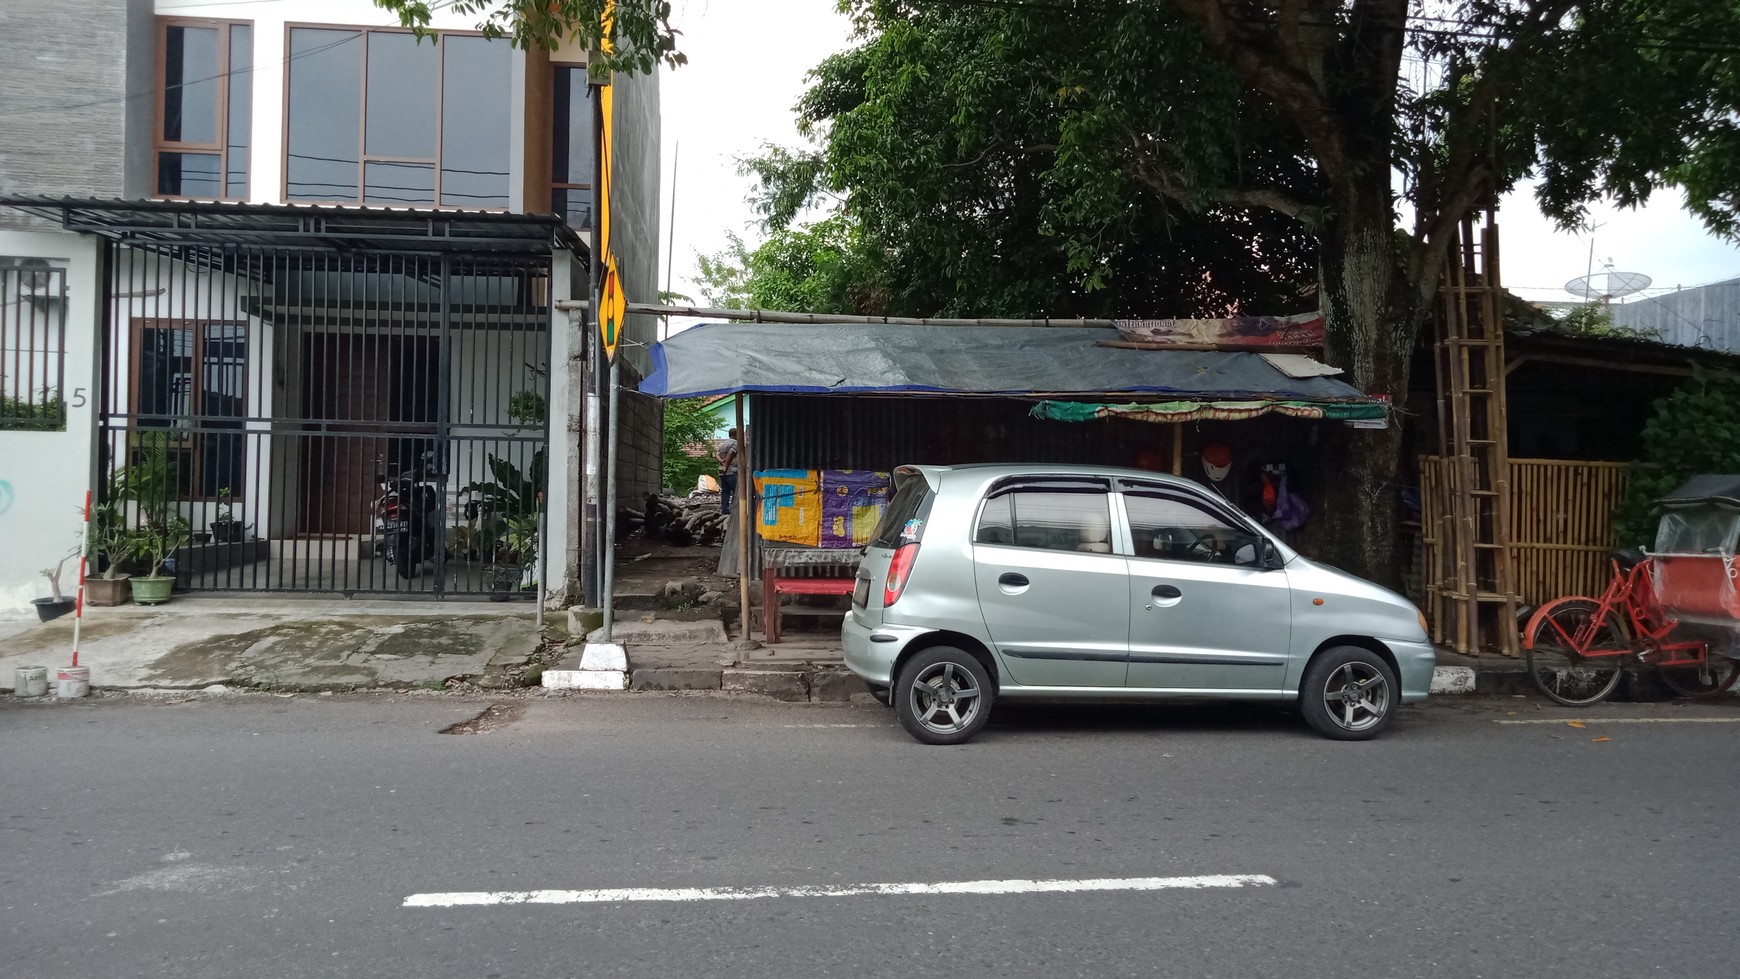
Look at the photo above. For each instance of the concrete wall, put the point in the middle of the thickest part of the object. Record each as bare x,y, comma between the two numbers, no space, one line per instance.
69,127
44,475
1707,317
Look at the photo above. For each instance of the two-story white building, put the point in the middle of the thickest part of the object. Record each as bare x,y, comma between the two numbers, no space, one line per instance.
288,252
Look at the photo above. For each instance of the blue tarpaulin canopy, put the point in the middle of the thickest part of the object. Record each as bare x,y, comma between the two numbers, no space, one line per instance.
850,358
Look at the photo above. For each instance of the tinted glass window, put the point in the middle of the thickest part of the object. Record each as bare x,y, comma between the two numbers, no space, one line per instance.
571,150
911,502
399,183
190,84
241,110
187,174
402,94
1061,520
325,109
1175,530
476,96
996,522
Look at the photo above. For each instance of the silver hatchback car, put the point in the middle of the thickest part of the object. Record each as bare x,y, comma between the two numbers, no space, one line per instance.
1070,582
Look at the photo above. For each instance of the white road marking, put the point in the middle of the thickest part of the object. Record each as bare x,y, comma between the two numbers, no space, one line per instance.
1625,720
836,725
452,899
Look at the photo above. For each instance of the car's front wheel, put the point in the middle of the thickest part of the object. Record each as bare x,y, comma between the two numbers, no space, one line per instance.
1348,694
943,695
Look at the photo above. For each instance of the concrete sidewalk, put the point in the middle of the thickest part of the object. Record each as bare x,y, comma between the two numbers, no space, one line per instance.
283,644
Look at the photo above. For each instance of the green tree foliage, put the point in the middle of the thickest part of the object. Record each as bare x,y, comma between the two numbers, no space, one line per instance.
1176,157
1693,430
824,267
641,34
688,423
984,152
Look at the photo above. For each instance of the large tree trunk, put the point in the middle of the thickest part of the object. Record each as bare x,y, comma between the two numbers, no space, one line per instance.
1371,319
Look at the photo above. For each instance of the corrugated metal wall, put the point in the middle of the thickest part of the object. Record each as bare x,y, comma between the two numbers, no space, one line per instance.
1707,317
853,432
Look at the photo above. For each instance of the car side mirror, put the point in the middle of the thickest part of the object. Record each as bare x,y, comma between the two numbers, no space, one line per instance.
1270,555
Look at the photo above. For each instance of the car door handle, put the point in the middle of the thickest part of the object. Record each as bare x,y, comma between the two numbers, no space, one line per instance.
1167,591
1012,580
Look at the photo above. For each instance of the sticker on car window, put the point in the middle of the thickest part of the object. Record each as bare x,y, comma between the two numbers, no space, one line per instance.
911,530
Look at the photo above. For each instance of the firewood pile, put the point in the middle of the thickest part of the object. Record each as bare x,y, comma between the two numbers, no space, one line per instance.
675,520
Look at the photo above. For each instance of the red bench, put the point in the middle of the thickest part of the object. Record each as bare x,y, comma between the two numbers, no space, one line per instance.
774,585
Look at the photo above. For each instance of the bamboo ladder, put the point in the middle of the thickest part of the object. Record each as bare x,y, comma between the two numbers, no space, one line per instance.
1476,594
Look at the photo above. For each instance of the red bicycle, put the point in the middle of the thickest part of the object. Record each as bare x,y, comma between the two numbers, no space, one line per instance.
1576,648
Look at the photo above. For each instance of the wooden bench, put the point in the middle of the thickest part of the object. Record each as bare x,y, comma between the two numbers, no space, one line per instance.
776,581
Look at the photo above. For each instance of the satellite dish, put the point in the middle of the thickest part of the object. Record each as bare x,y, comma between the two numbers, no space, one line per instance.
1604,286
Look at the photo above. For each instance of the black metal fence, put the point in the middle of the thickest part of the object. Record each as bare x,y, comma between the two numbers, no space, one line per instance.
327,421
33,391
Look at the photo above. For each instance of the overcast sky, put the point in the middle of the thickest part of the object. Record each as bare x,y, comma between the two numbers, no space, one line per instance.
747,61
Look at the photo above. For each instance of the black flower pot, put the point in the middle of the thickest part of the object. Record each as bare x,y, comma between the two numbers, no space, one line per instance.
48,609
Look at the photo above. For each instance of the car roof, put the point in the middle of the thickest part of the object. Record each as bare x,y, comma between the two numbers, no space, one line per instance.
999,470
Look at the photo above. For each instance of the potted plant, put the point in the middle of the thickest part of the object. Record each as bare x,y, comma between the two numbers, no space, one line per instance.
111,544
155,543
225,527
518,547
58,604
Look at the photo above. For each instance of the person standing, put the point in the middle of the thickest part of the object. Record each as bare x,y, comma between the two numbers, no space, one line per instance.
728,458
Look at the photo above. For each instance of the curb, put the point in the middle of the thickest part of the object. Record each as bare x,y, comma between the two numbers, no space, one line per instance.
789,686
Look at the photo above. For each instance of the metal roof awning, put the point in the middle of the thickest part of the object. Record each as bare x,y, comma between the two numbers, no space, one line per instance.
353,227
1056,362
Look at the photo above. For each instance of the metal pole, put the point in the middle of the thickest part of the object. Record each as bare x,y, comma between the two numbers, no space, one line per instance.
608,548
543,562
744,475
783,316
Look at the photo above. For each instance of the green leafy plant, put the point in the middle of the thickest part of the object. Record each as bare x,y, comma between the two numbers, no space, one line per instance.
688,423
513,491
154,543
111,541
1696,429
527,407
47,414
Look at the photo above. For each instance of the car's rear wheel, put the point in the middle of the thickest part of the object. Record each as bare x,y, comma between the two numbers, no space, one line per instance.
1348,694
943,695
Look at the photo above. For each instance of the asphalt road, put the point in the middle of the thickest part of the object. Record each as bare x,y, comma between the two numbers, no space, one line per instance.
266,837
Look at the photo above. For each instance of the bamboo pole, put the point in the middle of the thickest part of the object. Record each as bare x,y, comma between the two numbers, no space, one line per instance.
1178,449
744,475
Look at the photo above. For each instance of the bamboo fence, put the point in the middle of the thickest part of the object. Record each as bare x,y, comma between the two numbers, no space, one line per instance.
1561,528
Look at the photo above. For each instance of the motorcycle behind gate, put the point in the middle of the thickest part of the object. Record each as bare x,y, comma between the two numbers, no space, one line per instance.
408,516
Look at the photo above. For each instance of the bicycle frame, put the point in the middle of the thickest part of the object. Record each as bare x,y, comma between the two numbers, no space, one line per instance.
1650,624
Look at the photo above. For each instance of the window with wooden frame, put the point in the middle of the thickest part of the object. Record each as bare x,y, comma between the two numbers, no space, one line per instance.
377,117
190,379
572,141
205,90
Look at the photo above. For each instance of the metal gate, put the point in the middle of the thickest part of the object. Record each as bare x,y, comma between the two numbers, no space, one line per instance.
286,408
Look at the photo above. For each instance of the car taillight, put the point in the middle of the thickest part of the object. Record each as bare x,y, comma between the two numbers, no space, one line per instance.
899,569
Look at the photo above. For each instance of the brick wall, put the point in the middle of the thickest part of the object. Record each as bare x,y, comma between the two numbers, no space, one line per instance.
76,83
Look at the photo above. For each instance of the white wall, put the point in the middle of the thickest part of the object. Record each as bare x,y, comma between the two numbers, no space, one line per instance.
44,475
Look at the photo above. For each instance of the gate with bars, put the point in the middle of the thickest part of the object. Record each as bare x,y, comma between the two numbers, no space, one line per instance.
285,404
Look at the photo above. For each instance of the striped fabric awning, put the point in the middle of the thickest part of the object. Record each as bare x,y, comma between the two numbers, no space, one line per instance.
1186,411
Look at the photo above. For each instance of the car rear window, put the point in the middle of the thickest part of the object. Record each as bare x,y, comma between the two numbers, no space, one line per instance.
903,521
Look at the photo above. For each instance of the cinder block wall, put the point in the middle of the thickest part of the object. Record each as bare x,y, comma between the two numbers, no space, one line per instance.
77,85
641,463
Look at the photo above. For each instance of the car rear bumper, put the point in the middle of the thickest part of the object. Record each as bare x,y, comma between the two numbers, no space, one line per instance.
872,652
1415,661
